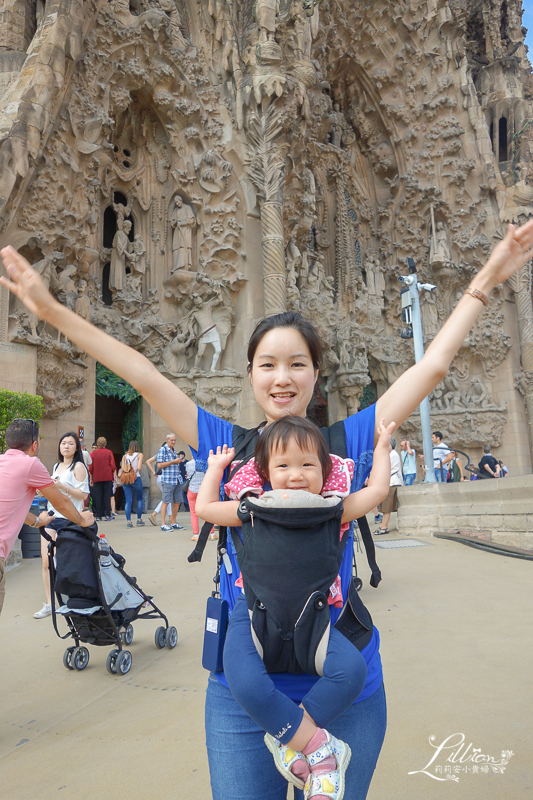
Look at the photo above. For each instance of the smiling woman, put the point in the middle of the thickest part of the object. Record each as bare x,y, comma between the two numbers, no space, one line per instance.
284,357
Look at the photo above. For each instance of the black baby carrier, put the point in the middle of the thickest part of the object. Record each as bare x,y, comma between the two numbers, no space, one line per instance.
290,617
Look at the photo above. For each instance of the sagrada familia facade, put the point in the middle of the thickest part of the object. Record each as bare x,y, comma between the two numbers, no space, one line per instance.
176,169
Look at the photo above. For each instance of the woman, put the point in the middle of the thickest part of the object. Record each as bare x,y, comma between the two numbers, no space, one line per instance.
390,504
103,471
134,458
71,476
195,478
284,360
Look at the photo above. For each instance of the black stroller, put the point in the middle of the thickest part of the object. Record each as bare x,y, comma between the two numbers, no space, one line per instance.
98,600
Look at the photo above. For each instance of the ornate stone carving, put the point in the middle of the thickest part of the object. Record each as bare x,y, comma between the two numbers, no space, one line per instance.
342,144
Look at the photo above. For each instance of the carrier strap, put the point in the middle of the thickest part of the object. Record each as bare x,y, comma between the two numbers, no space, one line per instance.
244,444
335,437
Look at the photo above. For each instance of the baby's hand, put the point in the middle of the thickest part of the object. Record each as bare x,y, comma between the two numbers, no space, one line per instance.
384,434
222,458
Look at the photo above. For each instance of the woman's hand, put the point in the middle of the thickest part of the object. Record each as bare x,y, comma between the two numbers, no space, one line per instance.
26,284
514,250
222,458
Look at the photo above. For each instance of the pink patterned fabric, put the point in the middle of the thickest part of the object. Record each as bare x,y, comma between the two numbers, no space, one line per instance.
247,481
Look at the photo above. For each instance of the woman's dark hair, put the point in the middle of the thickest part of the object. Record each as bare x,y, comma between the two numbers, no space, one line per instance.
134,447
78,453
278,434
288,319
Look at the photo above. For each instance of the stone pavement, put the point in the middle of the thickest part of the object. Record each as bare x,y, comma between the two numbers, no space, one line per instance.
456,636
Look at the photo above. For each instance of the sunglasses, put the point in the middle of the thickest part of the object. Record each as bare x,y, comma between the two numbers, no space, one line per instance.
35,428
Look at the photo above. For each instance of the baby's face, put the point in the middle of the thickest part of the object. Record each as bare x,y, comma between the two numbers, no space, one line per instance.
296,469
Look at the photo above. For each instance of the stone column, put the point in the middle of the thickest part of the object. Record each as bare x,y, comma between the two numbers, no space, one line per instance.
267,172
274,280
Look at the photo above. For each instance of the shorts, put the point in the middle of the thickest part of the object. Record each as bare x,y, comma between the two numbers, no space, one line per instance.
171,493
56,523
390,503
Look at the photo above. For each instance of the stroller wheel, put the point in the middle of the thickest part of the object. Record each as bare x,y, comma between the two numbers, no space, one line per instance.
127,635
110,662
123,662
171,637
67,657
80,657
160,637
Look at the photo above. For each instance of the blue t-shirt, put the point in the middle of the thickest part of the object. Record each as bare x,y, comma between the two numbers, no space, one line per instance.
359,428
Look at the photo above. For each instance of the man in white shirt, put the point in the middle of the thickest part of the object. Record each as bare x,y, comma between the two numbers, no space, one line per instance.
408,457
440,452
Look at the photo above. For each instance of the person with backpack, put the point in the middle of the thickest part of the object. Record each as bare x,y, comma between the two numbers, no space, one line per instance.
130,478
71,476
284,358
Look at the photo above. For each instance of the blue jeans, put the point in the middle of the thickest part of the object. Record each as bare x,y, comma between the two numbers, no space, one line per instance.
409,479
129,489
241,767
441,474
343,681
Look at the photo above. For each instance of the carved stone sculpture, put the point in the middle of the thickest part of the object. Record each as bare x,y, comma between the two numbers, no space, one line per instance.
120,256
183,223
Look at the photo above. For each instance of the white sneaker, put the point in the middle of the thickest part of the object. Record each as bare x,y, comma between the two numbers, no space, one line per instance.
45,611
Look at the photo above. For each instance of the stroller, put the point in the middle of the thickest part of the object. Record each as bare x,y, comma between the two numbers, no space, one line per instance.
98,600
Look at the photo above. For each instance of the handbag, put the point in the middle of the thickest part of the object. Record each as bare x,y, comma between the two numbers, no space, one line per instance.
185,484
127,473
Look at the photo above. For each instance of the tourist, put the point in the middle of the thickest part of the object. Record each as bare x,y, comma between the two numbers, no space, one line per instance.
489,466
284,358
134,458
390,504
103,471
171,479
455,468
21,475
408,458
145,478
157,475
195,478
441,451
71,476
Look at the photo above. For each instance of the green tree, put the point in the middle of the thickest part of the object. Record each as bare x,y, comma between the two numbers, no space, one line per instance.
17,405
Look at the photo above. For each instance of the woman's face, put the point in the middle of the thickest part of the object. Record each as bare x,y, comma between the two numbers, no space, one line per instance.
282,374
67,447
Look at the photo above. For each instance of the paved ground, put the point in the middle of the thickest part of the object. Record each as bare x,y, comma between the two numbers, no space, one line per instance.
456,636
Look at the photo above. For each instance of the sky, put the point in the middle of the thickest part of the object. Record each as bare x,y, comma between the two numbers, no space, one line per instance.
527,22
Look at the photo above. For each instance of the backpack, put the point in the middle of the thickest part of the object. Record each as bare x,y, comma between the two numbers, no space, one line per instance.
127,473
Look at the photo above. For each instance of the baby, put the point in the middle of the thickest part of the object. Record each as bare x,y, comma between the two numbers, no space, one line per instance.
291,454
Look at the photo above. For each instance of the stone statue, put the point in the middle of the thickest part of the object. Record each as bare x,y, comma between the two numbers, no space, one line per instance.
138,263
175,354
120,256
439,249
82,306
430,316
184,222
266,12
337,125
201,317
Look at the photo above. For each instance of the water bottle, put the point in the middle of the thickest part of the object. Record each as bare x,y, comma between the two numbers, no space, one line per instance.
104,549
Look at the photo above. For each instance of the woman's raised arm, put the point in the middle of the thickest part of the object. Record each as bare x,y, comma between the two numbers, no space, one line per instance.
406,393
170,402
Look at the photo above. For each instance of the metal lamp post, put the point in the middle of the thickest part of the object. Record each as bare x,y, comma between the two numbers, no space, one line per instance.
411,315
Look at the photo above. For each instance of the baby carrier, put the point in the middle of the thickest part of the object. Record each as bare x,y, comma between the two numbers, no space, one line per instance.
291,619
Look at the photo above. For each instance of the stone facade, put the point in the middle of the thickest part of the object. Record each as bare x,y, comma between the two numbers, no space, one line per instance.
177,169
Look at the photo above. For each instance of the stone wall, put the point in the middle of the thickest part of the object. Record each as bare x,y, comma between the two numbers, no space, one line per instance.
494,510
